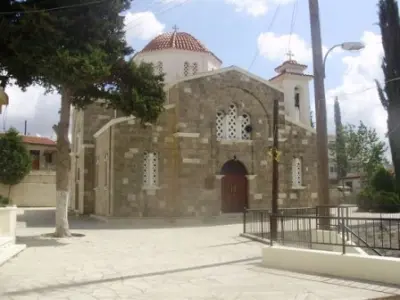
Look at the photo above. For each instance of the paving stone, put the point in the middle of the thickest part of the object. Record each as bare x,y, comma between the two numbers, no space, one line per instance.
161,263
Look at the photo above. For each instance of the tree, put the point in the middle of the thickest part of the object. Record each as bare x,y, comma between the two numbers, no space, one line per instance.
389,23
364,149
15,161
80,52
340,142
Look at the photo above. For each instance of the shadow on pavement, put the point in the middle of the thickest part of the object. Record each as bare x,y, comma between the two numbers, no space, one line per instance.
113,279
45,218
38,241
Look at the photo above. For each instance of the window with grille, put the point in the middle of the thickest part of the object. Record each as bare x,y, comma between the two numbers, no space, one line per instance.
231,126
186,69
220,124
232,122
244,123
195,68
297,172
160,67
150,169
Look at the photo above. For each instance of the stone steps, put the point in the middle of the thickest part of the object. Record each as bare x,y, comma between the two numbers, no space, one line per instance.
8,249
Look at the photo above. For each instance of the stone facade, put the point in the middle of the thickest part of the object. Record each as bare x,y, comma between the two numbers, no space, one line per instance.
189,156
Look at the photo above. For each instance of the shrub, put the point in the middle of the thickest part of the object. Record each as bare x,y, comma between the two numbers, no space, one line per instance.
383,180
378,201
15,161
4,201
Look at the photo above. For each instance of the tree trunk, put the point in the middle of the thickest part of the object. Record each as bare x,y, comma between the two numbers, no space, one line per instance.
394,141
62,166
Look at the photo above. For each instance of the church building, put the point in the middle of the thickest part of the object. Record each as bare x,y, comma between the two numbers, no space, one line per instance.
209,152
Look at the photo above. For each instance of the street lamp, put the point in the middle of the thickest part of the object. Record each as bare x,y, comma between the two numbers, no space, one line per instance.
347,46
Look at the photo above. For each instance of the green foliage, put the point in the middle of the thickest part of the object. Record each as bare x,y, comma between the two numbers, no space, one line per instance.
383,181
80,49
364,149
389,94
4,201
341,153
15,161
378,201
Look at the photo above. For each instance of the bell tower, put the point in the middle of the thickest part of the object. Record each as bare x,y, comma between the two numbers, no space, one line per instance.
295,84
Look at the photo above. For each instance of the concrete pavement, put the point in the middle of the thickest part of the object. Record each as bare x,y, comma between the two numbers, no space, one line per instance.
128,262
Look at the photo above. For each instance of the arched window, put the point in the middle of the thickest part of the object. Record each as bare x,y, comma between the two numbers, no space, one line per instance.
231,122
297,103
160,67
186,69
297,172
244,123
220,125
195,68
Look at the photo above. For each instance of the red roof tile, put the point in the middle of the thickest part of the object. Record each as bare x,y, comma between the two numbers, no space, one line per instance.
36,140
177,40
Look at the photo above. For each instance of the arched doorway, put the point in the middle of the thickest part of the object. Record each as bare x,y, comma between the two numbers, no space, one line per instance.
234,187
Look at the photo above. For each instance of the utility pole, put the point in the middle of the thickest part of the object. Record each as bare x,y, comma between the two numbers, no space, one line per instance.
320,107
275,172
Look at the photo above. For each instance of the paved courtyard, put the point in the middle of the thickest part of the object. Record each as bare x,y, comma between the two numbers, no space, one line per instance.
139,261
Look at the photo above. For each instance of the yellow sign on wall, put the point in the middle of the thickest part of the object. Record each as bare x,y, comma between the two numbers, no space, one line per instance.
277,153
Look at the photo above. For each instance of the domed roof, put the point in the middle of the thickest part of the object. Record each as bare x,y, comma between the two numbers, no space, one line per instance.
177,40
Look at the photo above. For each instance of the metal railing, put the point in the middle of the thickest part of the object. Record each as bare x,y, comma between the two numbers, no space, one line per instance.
345,230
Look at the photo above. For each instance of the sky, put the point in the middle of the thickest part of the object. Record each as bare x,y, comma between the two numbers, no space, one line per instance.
254,35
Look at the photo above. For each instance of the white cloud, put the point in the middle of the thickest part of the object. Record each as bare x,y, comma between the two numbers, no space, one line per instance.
357,93
142,25
275,47
255,8
39,110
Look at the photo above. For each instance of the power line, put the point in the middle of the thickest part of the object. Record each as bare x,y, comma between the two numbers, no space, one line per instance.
35,11
292,23
268,29
156,13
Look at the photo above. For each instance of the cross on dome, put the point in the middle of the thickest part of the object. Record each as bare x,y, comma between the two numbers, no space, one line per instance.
175,28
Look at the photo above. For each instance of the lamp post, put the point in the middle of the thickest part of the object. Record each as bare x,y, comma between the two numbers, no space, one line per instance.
347,46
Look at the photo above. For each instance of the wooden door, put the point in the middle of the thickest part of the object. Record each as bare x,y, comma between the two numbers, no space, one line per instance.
234,193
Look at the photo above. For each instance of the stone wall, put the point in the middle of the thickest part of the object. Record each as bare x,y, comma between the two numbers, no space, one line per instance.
101,171
37,189
190,157
130,141
198,101
95,117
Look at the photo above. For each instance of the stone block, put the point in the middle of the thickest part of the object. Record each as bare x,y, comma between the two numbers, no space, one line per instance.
125,181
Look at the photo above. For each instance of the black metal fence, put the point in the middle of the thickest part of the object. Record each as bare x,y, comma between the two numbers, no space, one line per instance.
301,227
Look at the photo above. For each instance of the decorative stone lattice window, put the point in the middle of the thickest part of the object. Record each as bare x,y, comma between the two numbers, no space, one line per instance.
220,125
195,68
244,122
231,122
160,67
231,126
150,169
297,170
186,69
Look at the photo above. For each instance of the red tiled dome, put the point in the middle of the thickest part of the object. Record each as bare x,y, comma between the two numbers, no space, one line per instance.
176,40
